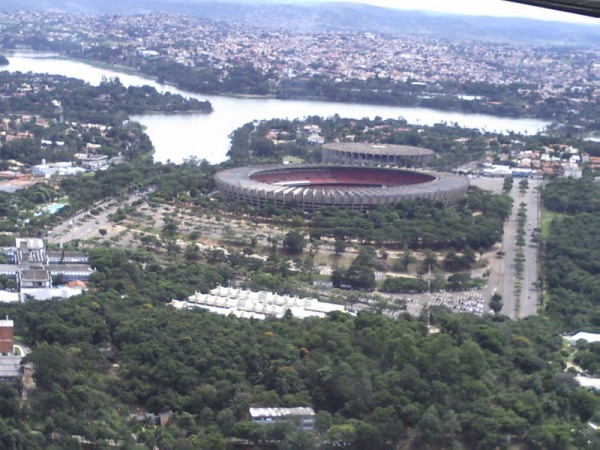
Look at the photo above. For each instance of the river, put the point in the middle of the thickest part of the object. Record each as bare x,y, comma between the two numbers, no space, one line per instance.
176,137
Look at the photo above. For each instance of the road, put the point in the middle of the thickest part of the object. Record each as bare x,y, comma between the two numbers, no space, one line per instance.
523,303
503,277
529,293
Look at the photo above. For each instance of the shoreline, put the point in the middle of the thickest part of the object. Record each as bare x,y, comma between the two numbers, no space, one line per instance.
127,70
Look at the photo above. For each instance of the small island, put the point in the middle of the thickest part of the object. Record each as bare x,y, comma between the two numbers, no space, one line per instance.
3,60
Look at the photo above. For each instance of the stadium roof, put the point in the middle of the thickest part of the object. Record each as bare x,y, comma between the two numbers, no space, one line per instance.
360,193
379,149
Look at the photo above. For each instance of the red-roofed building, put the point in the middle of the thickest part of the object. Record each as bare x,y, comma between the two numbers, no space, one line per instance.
6,336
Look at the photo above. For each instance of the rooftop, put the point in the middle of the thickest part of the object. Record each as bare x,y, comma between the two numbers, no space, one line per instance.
257,305
281,412
66,268
67,255
379,149
10,366
588,382
34,275
583,335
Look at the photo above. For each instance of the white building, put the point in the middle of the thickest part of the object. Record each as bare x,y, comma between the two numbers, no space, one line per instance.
58,168
257,305
304,417
496,171
95,162
591,384
582,335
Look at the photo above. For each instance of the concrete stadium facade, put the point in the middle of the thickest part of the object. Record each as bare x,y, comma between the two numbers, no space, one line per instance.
376,154
316,186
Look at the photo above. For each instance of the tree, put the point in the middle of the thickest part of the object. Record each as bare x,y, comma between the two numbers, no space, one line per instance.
247,429
170,227
360,277
430,261
523,185
192,252
339,246
338,275
496,303
50,364
9,401
300,440
452,261
159,437
213,440
406,259
342,435
172,246
438,429
294,242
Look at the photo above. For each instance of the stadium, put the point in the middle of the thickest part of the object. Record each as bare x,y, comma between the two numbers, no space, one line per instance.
366,153
315,186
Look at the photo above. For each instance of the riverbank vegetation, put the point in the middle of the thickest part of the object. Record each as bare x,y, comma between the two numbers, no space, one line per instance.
52,118
53,96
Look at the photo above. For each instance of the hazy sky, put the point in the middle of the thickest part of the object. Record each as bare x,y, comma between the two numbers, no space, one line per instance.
481,8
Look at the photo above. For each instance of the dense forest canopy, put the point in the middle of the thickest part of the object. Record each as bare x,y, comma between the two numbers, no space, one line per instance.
572,252
375,381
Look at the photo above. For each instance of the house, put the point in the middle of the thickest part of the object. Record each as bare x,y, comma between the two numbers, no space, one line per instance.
316,139
303,417
95,162
77,284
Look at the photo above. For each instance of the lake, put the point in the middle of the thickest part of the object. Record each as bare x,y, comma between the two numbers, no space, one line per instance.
176,137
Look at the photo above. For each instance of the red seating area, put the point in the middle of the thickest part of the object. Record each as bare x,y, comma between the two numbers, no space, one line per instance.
340,177
294,175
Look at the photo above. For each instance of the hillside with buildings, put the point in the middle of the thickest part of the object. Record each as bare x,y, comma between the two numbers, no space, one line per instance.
316,16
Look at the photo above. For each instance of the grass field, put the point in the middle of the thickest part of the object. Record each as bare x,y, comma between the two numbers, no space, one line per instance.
546,219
